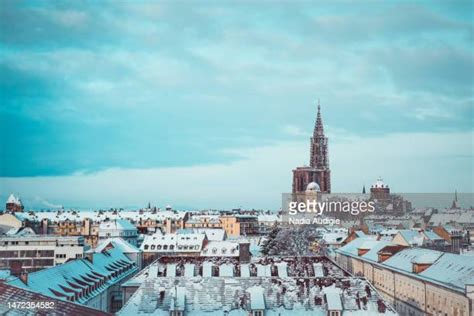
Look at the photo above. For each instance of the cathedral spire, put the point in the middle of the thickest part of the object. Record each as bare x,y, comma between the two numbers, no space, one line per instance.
318,128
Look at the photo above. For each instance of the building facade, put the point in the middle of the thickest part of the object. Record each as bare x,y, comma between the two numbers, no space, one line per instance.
416,281
31,253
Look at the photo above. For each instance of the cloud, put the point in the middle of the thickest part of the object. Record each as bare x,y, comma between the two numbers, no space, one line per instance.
295,131
443,161
148,86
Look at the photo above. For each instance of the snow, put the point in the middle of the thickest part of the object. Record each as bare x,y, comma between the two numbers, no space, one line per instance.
226,270
171,270
257,300
264,270
244,270
318,270
333,297
403,260
189,270
117,224
101,216
451,269
282,269
63,280
207,269
372,254
119,243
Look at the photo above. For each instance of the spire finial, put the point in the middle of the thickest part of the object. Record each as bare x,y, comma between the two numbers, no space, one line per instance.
319,105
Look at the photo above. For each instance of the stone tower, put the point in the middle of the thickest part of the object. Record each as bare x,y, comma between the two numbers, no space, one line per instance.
318,170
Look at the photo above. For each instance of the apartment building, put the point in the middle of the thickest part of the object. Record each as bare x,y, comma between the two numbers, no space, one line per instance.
416,281
35,252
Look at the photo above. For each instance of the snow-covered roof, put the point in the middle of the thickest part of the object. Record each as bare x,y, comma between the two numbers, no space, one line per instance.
189,270
100,216
207,269
217,295
264,270
379,184
318,270
372,254
12,199
412,237
352,247
333,298
118,243
404,259
245,270
257,300
282,269
269,218
66,280
451,269
431,235
117,224
213,234
334,238
226,270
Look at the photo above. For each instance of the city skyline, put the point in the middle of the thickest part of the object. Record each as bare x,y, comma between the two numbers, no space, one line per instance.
213,106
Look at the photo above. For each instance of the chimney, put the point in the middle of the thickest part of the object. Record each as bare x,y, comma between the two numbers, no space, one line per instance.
24,277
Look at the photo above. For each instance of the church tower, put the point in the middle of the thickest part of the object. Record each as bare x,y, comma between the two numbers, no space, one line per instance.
318,171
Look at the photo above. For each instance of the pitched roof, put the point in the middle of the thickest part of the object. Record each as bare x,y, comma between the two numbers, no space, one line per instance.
68,279
119,243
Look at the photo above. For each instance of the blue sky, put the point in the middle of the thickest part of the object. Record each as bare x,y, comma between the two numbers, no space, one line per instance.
122,103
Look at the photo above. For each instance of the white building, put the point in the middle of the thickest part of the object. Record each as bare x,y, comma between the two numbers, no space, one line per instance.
118,228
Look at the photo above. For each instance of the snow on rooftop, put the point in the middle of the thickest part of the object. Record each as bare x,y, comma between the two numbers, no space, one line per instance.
171,270
189,270
226,270
118,243
207,269
117,224
245,270
333,298
451,269
372,254
318,270
100,216
264,270
404,259
64,280
282,269
257,300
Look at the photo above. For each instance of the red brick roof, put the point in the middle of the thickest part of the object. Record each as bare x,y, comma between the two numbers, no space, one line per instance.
11,294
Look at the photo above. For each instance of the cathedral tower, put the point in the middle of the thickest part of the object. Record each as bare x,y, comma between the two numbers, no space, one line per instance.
318,171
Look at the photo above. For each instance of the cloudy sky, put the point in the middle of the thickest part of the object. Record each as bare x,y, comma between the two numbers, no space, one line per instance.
212,105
